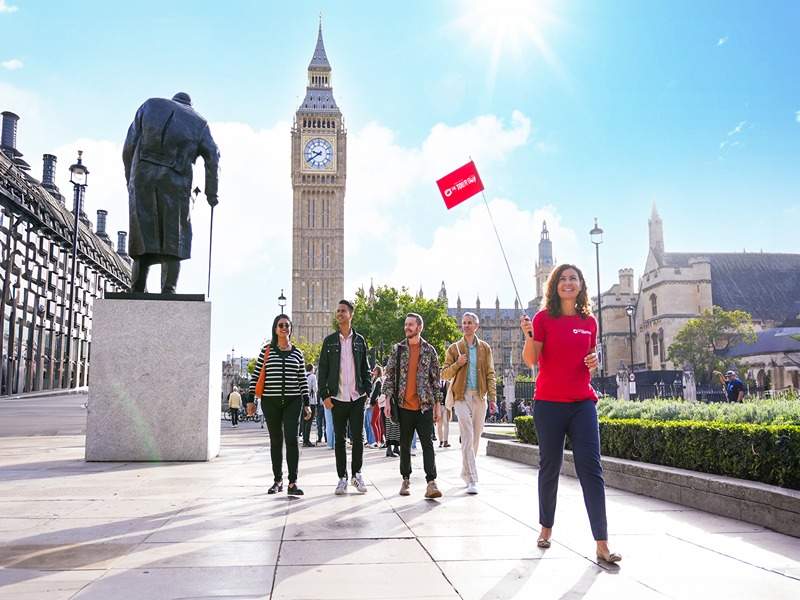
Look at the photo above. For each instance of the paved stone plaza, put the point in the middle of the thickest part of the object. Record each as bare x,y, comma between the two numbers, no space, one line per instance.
71,529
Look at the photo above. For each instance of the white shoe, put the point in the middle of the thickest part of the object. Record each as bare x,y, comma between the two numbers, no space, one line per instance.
341,487
472,487
358,483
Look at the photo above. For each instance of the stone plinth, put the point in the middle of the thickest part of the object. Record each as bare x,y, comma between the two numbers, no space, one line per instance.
149,397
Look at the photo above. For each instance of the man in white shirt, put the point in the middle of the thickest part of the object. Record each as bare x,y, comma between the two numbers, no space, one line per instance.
344,382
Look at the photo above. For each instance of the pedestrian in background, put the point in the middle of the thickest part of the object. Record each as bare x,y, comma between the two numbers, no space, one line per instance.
308,421
234,404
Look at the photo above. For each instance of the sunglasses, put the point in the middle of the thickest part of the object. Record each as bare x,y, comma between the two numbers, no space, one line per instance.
283,326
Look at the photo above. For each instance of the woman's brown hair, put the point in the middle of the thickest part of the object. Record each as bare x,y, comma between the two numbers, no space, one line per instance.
552,303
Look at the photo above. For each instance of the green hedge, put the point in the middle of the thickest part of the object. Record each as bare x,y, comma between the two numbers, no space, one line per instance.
765,453
764,412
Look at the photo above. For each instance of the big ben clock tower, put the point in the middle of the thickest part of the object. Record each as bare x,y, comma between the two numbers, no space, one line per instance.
319,167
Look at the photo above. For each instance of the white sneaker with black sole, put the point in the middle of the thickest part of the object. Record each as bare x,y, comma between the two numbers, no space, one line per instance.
358,483
472,488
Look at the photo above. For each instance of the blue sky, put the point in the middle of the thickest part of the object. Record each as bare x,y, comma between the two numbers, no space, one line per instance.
589,109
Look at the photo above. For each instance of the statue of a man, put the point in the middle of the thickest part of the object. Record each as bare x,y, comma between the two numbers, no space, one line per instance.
163,142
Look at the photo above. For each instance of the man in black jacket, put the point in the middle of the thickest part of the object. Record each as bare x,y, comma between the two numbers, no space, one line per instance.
344,382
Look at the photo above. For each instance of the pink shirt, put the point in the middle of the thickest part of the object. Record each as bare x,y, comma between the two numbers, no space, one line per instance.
347,370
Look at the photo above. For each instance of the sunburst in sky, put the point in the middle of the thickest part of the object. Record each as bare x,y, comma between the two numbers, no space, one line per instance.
509,29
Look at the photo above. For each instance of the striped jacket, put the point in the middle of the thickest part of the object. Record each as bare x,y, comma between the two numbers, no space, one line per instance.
285,377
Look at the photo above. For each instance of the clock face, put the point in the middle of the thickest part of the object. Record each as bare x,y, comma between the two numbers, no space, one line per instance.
318,153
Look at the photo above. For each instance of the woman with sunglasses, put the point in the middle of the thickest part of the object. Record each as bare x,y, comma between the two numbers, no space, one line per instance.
285,396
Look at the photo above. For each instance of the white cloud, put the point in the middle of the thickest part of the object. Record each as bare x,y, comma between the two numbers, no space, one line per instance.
12,64
722,41
738,129
386,180
797,116
733,140
7,8
466,255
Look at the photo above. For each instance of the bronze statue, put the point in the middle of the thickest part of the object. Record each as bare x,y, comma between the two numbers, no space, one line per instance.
163,142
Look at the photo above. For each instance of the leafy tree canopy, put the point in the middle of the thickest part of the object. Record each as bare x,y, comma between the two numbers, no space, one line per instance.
380,320
702,341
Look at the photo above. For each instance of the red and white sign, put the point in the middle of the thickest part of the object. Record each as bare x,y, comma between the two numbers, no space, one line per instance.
461,184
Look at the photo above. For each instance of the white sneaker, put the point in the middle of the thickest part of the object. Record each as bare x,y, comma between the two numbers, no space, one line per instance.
472,487
341,487
358,483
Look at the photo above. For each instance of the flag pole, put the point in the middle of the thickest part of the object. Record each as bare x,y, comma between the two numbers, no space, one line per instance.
499,241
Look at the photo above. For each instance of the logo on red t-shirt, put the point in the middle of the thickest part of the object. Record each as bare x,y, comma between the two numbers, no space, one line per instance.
583,331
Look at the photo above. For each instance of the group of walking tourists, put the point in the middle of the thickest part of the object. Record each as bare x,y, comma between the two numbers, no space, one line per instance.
413,395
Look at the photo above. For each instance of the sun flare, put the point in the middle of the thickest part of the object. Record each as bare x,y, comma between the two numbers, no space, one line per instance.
508,28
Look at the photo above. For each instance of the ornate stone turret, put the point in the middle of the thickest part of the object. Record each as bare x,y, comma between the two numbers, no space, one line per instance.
443,294
656,231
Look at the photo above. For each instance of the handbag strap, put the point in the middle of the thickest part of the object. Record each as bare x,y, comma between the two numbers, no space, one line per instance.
263,373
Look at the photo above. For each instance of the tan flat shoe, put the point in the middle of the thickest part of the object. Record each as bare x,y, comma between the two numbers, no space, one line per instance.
543,543
611,557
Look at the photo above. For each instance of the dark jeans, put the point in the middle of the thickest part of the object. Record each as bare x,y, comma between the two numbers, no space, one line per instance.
234,416
307,426
320,422
422,422
352,414
281,418
578,420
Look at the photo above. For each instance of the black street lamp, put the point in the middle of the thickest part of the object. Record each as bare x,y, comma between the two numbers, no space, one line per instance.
78,176
629,310
281,301
596,235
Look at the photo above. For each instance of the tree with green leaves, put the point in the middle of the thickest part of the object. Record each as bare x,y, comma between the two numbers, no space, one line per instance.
310,350
380,320
702,341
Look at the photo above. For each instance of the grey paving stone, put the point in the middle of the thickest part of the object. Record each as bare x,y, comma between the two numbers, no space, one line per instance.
230,583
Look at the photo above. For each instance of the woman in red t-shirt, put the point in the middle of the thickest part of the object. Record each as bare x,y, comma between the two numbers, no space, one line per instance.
563,345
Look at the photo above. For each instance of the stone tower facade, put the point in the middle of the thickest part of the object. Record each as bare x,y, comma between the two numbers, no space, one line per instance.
319,168
544,266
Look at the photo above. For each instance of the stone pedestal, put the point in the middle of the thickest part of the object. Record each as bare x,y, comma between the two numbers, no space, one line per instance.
149,395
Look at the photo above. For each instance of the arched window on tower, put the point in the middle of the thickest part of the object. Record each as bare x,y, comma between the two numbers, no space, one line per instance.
654,304
654,340
662,350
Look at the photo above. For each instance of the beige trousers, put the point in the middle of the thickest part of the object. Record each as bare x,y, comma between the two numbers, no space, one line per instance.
443,426
471,412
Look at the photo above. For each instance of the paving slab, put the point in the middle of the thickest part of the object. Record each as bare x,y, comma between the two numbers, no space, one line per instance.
230,583
33,584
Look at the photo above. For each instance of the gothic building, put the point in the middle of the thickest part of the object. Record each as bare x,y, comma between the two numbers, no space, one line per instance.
319,170
678,286
38,347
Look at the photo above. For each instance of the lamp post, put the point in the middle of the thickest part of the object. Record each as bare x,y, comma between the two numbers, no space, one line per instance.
78,176
596,235
629,310
281,301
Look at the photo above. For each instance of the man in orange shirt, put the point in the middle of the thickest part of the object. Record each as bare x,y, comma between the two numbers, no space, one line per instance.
412,377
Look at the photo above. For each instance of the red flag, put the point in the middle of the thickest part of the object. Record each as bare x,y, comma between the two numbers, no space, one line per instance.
461,184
